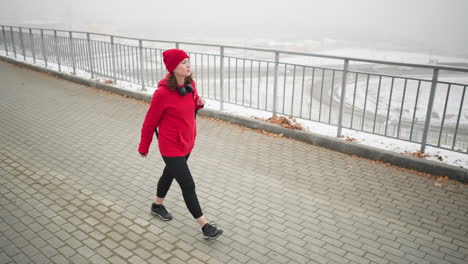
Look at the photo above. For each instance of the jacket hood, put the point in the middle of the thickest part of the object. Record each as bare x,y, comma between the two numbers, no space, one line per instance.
163,82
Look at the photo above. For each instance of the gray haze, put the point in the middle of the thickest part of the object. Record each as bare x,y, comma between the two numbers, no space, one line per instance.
439,26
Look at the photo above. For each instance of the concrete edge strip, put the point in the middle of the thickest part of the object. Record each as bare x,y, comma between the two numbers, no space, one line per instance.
397,159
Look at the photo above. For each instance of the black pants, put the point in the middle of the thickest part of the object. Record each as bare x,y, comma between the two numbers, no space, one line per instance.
176,167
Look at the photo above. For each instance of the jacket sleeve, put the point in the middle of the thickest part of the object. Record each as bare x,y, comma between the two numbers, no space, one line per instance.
152,119
196,96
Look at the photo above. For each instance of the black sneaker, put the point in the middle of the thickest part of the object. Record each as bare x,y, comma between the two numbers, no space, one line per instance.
160,211
210,231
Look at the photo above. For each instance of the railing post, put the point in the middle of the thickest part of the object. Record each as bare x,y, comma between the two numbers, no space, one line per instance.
12,41
90,58
458,117
221,77
114,72
140,43
177,45
31,40
56,51
343,98
435,76
72,51
43,47
4,40
275,85
22,43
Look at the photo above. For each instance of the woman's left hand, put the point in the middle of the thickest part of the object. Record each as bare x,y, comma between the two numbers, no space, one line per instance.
200,101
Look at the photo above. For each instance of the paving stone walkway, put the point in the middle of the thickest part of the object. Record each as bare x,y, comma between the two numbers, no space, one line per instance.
74,190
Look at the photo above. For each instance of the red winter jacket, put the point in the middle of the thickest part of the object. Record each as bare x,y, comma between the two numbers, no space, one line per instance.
174,114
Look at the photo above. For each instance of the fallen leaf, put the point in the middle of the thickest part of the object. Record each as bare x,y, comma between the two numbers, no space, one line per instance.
350,139
285,122
419,154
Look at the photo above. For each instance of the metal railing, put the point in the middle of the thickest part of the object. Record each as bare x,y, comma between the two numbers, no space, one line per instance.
385,98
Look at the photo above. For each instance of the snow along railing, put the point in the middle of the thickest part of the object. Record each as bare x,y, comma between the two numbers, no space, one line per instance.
404,101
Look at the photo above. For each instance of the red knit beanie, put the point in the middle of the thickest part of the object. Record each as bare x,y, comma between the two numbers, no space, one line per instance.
172,58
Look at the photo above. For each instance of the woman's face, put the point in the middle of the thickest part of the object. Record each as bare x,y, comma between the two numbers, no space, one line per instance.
183,69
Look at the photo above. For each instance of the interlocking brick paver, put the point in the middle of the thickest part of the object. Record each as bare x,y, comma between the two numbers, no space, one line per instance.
96,259
67,251
123,252
21,258
455,260
77,259
59,259
72,188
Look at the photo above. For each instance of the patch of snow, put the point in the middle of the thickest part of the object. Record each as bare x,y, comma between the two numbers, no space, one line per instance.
399,146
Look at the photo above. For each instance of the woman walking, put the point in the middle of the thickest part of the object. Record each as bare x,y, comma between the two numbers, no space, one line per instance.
172,112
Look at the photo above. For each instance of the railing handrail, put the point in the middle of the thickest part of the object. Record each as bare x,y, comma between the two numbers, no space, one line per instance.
386,62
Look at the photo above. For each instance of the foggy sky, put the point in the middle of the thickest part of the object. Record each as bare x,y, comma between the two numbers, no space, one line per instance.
439,25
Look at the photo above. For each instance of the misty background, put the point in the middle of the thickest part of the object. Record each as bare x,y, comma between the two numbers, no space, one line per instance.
429,26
